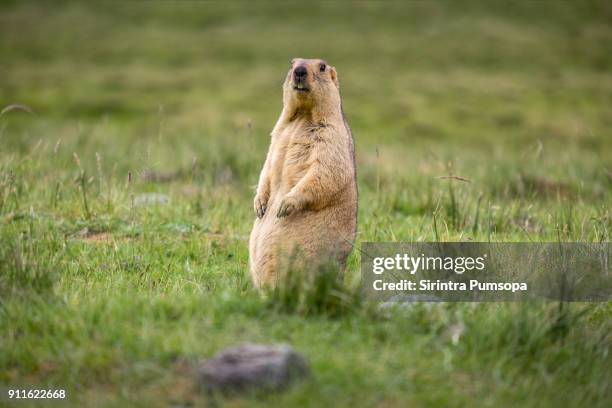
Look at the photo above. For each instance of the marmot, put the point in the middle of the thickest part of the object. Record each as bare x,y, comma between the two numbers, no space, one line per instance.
306,197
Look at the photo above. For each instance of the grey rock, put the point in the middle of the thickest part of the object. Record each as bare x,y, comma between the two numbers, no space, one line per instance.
252,367
150,199
403,302
415,298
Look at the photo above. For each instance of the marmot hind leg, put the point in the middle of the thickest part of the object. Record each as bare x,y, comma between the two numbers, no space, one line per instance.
264,271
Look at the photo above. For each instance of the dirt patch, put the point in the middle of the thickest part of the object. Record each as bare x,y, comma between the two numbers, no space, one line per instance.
97,237
101,237
152,176
543,187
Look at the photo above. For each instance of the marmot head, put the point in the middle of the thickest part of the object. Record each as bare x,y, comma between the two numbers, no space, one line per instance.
311,83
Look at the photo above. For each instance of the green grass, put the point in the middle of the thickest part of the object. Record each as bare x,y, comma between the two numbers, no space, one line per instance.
116,301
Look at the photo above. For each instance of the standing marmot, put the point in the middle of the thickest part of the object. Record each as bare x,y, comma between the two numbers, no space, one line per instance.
307,193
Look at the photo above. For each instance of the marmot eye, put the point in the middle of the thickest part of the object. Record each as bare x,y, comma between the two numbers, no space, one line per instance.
322,68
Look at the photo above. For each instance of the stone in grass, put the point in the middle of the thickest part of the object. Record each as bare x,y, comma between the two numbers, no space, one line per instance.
252,367
151,199
402,302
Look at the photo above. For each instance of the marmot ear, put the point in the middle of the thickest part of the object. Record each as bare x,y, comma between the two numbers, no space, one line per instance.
334,76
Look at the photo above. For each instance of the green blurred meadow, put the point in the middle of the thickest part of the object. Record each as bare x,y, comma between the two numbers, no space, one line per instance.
126,193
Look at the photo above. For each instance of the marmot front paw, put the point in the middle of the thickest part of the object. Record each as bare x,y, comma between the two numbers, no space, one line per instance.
288,206
260,206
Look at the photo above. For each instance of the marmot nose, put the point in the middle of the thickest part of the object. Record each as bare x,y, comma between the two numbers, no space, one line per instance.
300,72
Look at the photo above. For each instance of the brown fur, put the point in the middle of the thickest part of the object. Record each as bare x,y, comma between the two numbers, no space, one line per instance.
306,197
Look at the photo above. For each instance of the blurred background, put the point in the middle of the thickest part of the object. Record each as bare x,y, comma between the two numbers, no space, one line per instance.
131,139
417,78
170,79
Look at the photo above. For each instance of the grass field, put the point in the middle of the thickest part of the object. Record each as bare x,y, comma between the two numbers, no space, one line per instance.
114,294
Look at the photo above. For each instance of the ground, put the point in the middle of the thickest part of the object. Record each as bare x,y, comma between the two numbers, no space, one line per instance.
115,295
